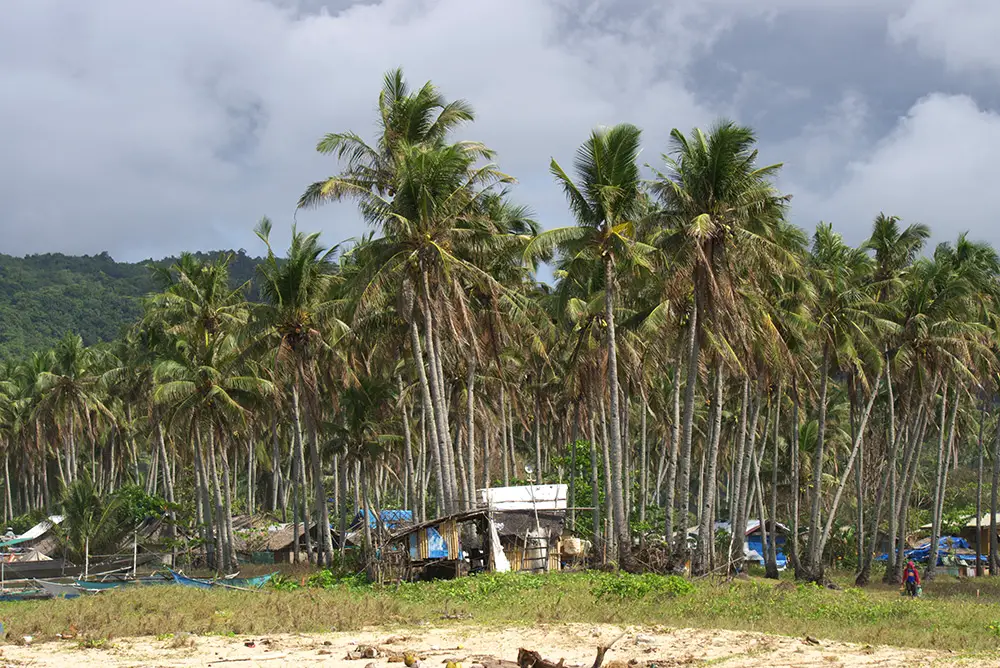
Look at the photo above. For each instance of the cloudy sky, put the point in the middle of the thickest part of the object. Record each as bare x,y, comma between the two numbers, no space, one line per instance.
144,129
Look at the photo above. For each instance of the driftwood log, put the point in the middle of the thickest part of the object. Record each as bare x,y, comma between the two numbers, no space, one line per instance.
527,658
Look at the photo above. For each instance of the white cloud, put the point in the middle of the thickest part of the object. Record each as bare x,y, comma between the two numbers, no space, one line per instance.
962,34
154,127
148,128
938,166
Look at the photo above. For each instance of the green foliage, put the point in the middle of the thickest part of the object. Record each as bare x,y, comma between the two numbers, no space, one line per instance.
136,505
22,523
629,587
42,297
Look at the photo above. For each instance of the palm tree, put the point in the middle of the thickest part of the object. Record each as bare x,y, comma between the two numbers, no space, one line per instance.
295,325
606,200
722,212
67,394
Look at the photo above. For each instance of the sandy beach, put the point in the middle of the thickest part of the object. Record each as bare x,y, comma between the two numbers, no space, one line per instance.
575,644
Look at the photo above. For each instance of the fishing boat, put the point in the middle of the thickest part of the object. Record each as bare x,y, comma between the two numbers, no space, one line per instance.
230,583
190,582
103,585
24,595
59,589
245,583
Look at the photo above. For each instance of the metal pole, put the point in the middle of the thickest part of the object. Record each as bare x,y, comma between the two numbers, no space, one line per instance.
135,551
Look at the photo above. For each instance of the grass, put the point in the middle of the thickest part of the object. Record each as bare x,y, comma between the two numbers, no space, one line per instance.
950,616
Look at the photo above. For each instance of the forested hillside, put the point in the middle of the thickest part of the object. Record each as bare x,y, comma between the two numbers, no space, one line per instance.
44,296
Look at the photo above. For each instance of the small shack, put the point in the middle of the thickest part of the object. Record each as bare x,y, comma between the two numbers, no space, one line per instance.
530,521
968,532
444,547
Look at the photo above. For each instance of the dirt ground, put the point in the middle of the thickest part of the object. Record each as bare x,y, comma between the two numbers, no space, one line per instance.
640,647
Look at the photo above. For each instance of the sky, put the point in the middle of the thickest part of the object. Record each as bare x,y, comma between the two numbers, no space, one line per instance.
145,129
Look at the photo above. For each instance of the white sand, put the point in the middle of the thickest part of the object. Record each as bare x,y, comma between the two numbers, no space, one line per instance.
576,643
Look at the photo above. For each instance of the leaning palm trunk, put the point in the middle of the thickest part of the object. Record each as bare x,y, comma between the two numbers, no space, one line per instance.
942,480
687,428
470,432
622,533
864,574
595,494
743,490
668,502
771,564
440,413
430,421
706,527
815,567
409,492
906,488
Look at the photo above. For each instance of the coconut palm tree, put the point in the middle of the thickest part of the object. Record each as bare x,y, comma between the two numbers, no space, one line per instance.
721,212
606,199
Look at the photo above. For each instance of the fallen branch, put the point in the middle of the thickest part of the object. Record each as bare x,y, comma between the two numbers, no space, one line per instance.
527,658
602,650
249,658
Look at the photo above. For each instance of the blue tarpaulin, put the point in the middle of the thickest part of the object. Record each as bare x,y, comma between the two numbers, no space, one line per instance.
391,519
946,548
756,546
437,548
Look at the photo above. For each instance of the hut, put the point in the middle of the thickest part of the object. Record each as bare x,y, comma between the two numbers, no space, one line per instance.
968,532
530,521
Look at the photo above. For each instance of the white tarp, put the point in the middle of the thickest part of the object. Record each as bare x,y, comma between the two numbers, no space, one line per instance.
527,497
39,529
500,562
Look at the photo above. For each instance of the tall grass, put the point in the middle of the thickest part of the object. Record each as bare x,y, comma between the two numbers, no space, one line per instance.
950,616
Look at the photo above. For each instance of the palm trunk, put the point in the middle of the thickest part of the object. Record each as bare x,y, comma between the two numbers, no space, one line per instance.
906,485
815,565
942,486
793,547
300,463
979,492
744,502
864,574
470,430
643,460
706,528
409,494
207,516
771,565
595,494
228,512
537,435
858,439
441,432
687,427
995,505
610,536
431,423
222,540
736,532
675,430
323,535
935,517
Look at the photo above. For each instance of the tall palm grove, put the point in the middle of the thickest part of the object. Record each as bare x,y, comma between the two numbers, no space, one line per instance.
696,358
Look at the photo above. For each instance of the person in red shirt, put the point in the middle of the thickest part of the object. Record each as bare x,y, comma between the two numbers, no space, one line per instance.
911,578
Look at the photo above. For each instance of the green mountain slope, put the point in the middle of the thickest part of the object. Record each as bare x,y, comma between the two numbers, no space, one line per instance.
44,296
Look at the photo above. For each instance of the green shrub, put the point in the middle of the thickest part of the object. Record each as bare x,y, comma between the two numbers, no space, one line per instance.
628,587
